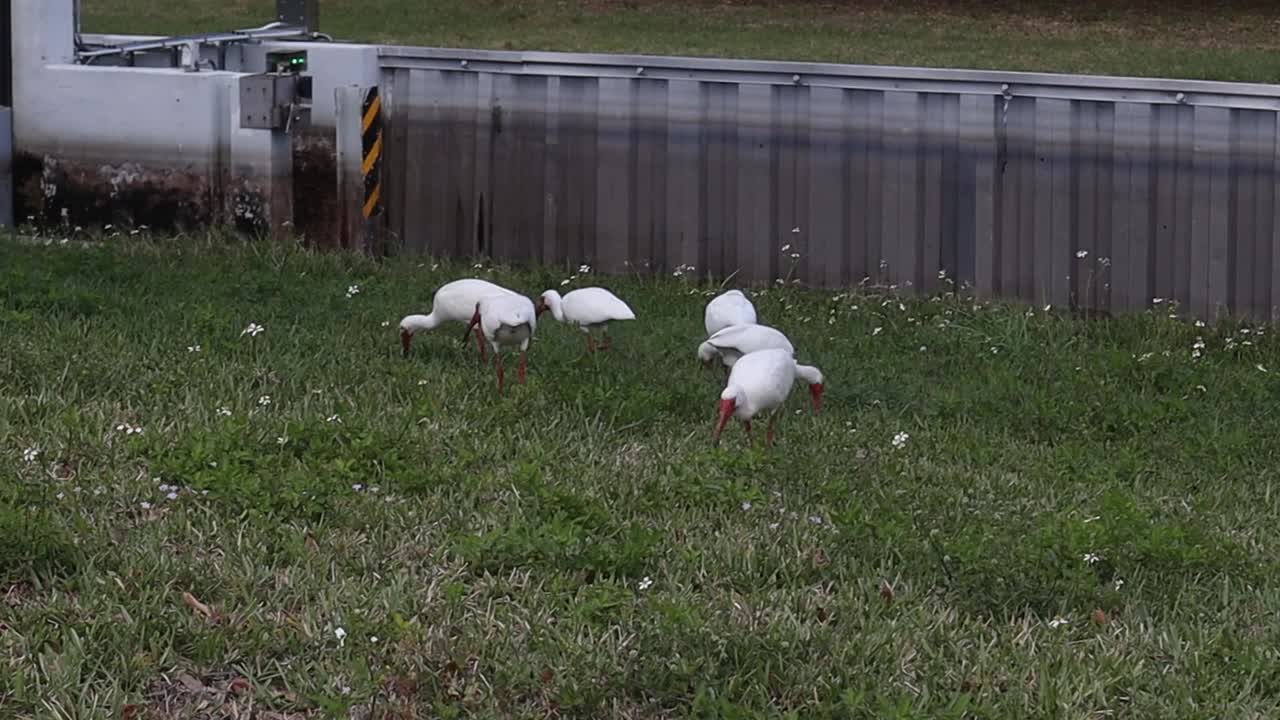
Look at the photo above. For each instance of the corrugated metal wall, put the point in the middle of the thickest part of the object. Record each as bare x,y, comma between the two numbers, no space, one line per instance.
1098,192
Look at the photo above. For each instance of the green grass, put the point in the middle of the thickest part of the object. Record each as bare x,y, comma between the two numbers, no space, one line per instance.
1178,39
578,545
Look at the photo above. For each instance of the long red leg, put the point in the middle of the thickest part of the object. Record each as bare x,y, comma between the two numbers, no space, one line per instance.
524,362
480,343
608,343
768,438
746,425
497,360
591,343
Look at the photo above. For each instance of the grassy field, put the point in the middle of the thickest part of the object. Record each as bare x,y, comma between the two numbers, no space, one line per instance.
1227,41
194,521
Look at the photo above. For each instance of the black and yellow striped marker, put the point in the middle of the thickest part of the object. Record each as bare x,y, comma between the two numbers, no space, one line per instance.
371,151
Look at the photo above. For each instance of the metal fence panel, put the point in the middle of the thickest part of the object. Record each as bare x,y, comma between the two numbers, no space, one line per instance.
1096,193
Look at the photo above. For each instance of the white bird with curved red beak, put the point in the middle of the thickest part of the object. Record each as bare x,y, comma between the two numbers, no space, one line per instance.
734,341
727,309
506,321
760,383
590,308
453,302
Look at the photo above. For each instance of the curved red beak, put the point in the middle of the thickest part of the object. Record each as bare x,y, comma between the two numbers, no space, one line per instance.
815,391
406,340
726,412
475,319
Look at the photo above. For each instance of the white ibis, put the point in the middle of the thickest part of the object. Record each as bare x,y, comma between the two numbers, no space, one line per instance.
506,321
726,309
453,302
735,341
760,383
590,308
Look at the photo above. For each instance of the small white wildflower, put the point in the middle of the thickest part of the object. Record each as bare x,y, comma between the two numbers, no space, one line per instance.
172,496
375,489
995,350
876,331
902,308
815,519
60,495
746,505
353,290
645,583
584,269
1093,518
795,256
357,487
1091,558
1202,388
1260,367
1245,331
341,635
422,382
253,330
165,487
334,418
386,323
785,249
1199,323
31,454
1058,622
193,348
900,440
99,490
145,505
373,639
224,411
795,230
773,525
264,400
923,348
281,440
1119,583
564,282
1156,300
1082,254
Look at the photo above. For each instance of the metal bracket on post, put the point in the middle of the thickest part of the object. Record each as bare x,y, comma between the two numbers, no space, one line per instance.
360,150
301,13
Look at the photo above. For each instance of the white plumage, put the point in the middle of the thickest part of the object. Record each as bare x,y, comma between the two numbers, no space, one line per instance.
453,302
734,341
760,383
726,309
507,321
590,308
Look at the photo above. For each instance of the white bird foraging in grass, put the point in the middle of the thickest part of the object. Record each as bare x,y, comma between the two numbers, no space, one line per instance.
506,321
760,383
726,309
590,308
453,302
735,341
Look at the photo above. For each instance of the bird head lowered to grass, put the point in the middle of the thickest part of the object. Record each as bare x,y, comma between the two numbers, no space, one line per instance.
760,383
589,308
733,342
453,302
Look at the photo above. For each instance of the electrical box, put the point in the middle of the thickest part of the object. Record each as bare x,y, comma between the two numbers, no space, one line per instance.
275,101
294,61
